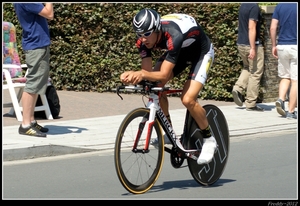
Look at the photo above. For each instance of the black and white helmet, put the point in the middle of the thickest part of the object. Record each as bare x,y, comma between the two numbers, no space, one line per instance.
146,20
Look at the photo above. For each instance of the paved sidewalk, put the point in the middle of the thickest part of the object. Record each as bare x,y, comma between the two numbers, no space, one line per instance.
89,122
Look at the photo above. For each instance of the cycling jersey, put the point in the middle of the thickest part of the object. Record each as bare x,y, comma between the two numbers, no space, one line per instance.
179,31
184,39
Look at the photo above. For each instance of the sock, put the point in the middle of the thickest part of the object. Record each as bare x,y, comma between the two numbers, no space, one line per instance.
208,148
33,122
206,132
25,126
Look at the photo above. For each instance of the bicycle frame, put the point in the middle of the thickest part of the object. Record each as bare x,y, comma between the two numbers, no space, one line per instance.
156,111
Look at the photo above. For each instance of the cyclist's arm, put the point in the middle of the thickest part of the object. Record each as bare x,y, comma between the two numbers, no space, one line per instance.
135,77
147,64
163,75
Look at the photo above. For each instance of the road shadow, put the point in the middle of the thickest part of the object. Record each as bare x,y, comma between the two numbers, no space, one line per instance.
58,130
266,107
184,185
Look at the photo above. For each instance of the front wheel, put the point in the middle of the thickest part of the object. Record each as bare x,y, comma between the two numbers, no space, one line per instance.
137,168
208,174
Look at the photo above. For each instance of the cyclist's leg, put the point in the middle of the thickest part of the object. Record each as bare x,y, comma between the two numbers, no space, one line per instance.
189,96
190,93
163,101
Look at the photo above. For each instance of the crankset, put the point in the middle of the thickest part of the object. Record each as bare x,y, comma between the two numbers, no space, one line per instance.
177,158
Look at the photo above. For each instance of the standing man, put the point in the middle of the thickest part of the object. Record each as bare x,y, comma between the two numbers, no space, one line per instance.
286,51
36,45
252,54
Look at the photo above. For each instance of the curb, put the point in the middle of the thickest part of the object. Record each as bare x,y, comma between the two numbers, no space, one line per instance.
57,150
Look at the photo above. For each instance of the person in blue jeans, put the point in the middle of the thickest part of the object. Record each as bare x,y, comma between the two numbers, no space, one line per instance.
286,51
33,18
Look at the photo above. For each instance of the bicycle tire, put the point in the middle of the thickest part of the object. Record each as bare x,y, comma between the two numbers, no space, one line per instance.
138,172
209,173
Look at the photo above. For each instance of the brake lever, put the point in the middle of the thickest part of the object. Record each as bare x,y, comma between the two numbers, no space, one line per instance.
118,89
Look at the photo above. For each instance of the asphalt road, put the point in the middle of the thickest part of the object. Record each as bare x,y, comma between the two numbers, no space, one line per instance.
260,167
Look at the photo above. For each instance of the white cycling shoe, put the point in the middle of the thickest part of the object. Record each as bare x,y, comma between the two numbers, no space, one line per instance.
208,150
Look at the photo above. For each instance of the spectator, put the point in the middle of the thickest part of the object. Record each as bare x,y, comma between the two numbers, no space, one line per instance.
285,17
252,54
36,45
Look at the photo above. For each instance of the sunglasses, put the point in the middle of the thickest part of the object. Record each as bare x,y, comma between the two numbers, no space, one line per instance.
146,34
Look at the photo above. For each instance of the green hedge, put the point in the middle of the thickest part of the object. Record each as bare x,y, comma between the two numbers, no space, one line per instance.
93,43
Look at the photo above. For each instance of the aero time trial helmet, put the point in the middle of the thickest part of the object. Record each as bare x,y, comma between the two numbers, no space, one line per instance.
146,20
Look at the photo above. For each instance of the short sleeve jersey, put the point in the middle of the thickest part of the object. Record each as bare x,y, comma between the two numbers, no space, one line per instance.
179,31
286,14
248,11
35,27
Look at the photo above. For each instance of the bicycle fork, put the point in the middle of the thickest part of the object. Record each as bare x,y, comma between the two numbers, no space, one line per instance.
147,124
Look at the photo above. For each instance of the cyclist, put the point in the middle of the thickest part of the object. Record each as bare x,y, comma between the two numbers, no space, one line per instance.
186,44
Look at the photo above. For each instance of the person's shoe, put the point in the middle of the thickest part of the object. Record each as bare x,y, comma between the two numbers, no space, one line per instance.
39,127
291,115
280,107
237,98
155,141
255,108
207,151
31,131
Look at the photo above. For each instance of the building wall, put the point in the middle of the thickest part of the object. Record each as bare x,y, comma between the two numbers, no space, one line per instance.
270,79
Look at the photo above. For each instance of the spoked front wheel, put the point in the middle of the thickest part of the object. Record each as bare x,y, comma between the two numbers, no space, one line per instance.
208,174
137,168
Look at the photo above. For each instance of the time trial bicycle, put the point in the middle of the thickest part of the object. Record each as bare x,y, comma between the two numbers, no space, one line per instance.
138,163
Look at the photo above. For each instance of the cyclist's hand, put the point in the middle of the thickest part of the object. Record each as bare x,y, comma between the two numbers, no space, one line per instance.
124,76
132,77
136,77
